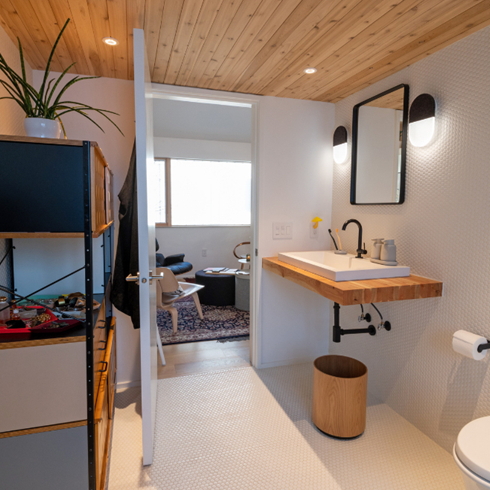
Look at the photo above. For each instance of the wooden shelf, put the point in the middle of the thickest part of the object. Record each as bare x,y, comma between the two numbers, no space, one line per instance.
77,334
357,292
16,344
95,234
46,428
45,141
101,230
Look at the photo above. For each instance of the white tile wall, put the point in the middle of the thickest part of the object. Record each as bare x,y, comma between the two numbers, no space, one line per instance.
442,231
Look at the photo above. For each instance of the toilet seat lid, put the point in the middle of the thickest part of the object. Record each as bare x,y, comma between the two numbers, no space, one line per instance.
473,446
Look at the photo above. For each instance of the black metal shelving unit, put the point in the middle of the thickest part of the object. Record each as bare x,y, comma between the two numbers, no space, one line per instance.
47,193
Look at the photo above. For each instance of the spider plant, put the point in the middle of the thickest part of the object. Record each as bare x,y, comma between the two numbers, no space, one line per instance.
48,102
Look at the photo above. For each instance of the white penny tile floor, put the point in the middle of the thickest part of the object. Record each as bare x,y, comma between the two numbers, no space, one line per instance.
252,429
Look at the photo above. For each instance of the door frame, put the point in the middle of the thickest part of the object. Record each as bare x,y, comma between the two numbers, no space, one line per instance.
186,94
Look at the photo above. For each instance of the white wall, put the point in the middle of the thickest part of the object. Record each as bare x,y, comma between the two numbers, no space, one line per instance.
442,231
218,241
295,185
232,151
34,260
200,120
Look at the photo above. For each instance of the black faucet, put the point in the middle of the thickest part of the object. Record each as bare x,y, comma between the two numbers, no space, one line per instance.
360,251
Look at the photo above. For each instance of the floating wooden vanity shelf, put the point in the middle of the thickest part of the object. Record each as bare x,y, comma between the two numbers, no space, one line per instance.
357,292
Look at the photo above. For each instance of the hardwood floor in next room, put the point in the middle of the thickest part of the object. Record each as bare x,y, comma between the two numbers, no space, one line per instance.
204,357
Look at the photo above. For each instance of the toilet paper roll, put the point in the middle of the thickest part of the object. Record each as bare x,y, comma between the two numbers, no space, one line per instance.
466,343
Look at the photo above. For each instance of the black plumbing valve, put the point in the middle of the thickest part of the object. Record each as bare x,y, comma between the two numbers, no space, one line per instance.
363,317
386,325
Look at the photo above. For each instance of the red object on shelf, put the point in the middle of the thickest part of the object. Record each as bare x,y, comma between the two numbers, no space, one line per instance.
41,326
44,328
9,334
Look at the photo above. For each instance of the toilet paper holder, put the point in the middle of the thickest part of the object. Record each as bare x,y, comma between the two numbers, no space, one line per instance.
483,347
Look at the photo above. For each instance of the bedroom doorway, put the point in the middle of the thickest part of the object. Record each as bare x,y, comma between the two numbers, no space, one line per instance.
205,173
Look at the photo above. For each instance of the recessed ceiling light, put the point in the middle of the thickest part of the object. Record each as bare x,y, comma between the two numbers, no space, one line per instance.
309,71
110,41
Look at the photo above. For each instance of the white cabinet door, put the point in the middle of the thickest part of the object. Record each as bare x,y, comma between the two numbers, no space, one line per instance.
146,240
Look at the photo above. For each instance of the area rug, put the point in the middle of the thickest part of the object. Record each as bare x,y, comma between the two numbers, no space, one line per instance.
220,322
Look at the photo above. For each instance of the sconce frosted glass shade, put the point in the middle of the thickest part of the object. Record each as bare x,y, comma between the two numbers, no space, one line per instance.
340,153
422,121
340,145
421,132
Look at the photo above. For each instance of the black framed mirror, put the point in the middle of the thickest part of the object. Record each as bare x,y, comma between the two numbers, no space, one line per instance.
379,147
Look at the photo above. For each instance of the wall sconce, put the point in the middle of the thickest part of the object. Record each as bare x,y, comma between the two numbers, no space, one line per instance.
422,120
340,145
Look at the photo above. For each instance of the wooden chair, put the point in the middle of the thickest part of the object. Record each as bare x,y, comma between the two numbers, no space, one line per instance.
170,290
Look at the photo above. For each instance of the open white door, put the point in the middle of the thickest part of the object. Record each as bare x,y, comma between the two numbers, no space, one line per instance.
146,240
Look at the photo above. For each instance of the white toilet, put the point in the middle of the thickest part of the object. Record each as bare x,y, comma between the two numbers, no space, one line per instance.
472,454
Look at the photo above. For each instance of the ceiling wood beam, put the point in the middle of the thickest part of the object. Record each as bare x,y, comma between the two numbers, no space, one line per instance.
99,16
360,23
274,21
208,14
81,17
248,46
170,22
413,23
245,14
71,37
135,19
290,26
47,20
117,11
187,22
153,28
467,23
316,24
227,11
20,31
36,31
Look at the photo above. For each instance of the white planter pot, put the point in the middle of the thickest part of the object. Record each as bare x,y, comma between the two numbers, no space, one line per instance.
39,127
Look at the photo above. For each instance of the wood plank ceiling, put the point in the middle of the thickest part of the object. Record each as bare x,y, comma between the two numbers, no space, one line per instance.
249,46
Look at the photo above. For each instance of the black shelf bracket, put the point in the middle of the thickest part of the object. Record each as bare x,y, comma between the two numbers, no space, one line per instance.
338,331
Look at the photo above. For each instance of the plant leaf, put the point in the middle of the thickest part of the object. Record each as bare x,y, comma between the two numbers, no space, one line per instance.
48,99
13,96
69,84
62,125
88,108
27,98
74,109
46,72
22,89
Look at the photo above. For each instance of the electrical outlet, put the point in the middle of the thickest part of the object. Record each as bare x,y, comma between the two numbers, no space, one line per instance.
282,231
204,252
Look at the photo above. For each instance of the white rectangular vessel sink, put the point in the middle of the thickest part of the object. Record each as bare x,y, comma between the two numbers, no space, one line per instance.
341,267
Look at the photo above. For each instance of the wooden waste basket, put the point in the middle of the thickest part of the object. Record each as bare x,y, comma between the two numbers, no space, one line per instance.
339,396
